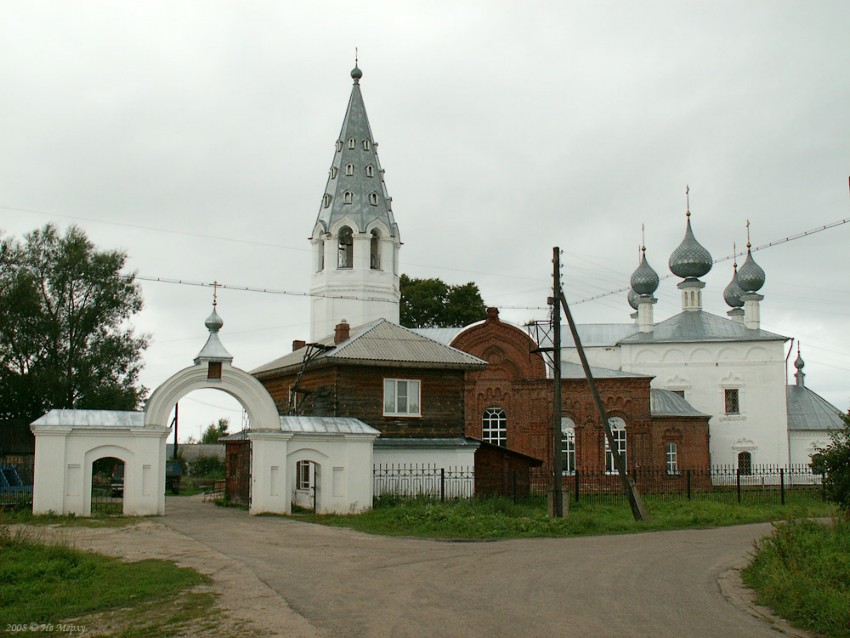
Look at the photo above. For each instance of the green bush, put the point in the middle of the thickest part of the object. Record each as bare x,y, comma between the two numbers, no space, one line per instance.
834,463
210,467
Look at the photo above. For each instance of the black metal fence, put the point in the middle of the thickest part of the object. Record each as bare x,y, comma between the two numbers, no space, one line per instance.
767,484
16,481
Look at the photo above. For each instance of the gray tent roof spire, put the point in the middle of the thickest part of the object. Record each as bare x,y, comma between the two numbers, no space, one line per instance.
355,189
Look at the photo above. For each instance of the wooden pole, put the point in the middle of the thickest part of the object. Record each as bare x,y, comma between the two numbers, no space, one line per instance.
629,486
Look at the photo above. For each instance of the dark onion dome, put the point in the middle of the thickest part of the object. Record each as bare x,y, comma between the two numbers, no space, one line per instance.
644,280
632,297
798,362
356,73
690,259
733,292
750,277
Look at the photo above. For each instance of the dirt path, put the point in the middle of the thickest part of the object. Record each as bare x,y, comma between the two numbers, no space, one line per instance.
284,578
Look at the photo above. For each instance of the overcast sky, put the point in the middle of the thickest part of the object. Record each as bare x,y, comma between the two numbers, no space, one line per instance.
197,137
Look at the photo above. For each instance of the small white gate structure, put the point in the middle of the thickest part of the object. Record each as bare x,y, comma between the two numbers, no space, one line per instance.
67,442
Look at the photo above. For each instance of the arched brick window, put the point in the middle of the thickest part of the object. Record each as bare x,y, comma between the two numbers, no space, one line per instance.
494,426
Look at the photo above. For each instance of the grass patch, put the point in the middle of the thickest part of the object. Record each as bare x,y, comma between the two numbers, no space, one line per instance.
493,518
802,572
53,583
26,517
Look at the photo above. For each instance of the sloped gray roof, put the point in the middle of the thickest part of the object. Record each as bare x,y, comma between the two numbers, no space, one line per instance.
699,325
360,184
807,410
668,403
441,335
322,425
576,371
382,343
597,334
92,418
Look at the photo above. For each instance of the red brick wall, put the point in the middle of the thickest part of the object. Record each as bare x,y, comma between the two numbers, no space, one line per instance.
358,391
515,380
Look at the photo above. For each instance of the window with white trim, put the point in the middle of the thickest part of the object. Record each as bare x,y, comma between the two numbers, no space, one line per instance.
731,401
350,142
494,426
338,146
618,429
366,145
568,445
370,171
346,197
303,475
334,172
745,463
401,397
349,169
373,199
671,457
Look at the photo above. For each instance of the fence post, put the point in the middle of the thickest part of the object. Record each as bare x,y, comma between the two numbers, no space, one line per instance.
738,481
688,478
577,483
442,484
782,485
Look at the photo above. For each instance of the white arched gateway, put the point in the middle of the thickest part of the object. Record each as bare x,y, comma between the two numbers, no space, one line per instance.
69,442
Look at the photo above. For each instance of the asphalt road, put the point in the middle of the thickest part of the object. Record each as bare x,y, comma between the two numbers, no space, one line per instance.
345,583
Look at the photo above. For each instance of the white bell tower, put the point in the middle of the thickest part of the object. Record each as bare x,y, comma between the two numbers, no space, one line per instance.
354,265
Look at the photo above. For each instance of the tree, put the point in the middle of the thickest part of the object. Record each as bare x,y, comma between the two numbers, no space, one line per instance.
65,341
215,431
432,303
833,462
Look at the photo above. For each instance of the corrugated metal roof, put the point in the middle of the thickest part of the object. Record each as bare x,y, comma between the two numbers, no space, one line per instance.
321,425
325,425
668,403
596,334
807,410
700,326
92,418
440,335
383,342
576,371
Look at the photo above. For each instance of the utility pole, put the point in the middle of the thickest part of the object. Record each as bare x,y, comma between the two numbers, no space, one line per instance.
557,456
629,486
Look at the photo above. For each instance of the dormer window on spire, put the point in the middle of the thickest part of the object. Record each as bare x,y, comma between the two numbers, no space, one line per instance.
339,146
346,197
373,199
351,142
370,171
349,169
366,145
326,200
334,172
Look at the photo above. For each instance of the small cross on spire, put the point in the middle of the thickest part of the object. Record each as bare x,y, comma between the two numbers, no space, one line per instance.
215,286
748,235
687,200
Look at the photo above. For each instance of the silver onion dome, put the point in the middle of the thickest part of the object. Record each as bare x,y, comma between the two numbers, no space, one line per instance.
214,322
751,277
632,297
798,362
733,292
690,259
644,280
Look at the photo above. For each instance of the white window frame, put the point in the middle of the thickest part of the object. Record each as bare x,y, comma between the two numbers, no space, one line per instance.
494,426
671,458
350,142
399,403
568,446
618,429
349,169
303,475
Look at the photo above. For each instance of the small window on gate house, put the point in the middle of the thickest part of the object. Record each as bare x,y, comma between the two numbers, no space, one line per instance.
401,397
214,370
